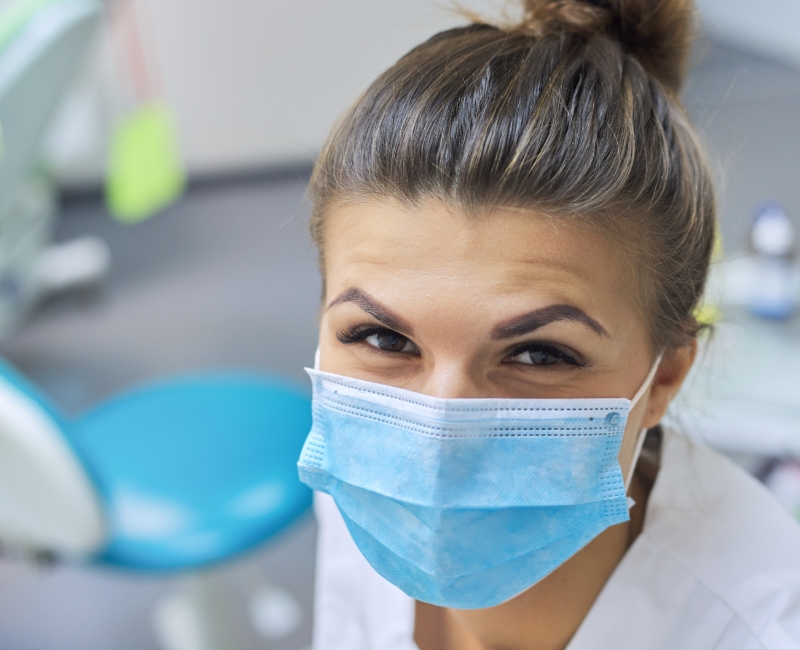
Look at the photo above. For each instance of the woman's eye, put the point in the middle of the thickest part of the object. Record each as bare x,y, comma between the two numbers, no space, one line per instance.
542,355
536,358
391,342
380,338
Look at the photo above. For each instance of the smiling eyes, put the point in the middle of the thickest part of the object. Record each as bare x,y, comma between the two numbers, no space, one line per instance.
384,340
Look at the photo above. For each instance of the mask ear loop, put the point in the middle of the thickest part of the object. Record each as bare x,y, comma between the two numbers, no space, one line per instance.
643,432
316,359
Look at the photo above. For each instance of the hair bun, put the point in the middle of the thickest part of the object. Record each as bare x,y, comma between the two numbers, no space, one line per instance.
657,32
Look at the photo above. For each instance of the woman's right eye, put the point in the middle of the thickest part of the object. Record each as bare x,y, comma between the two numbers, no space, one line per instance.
391,342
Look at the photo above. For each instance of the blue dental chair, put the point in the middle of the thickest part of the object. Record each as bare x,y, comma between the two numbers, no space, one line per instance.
196,469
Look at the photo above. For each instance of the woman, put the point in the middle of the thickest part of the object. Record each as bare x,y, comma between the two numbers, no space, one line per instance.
514,226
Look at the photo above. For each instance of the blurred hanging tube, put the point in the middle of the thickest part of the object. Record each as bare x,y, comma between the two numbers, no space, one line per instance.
145,172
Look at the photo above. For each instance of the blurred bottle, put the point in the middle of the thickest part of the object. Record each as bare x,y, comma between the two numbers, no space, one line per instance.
775,274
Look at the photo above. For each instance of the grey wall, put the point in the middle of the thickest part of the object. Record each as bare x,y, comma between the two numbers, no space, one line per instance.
766,26
747,108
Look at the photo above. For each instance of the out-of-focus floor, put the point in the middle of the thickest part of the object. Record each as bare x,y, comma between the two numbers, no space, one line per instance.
226,278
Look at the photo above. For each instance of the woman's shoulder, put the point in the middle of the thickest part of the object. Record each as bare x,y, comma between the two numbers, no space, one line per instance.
707,510
726,531
717,565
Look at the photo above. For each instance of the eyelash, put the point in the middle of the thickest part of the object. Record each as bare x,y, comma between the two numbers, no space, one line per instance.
359,333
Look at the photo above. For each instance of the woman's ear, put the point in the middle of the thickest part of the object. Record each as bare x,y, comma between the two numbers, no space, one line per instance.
674,366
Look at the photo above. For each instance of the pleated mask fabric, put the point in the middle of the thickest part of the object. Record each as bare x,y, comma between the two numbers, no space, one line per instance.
465,503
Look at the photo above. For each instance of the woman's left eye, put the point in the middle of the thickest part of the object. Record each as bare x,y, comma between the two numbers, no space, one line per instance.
542,355
390,342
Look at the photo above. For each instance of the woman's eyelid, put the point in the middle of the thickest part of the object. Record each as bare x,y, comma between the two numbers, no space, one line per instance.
369,328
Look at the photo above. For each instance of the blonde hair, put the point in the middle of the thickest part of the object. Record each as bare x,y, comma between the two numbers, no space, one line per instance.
573,112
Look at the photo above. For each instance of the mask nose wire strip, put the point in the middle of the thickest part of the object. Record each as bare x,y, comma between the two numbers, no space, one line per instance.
642,432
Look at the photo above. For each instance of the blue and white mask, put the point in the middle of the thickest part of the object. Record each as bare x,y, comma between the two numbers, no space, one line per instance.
466,503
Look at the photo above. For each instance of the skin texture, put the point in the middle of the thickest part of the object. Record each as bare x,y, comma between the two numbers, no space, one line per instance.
453,285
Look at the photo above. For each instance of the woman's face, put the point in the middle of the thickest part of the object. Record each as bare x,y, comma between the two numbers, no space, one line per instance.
509,304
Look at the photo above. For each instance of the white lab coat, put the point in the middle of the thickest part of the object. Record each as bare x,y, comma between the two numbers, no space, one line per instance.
716,567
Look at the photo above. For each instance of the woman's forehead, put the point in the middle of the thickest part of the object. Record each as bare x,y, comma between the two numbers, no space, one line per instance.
506,251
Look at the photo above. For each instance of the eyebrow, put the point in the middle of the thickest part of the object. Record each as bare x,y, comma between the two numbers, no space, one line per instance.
527,323
375,309
518,326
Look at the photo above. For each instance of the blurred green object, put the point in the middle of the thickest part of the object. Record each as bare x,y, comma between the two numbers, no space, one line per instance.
145,171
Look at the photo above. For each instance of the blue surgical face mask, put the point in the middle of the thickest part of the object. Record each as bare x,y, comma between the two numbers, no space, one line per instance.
466,503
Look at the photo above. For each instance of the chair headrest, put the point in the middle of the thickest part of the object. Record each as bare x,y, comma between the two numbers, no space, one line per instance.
47,500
